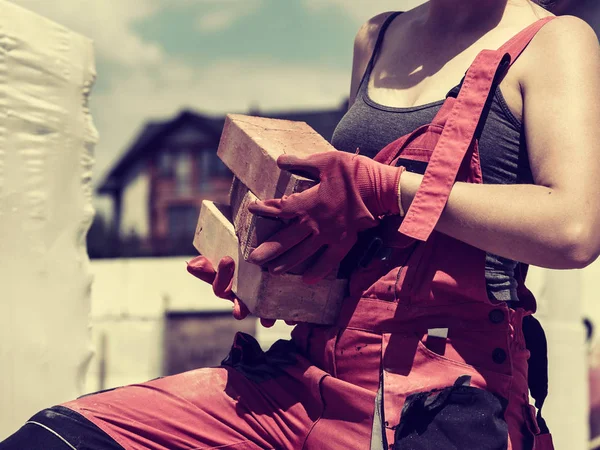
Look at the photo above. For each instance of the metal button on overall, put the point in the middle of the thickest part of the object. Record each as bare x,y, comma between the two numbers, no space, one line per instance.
496,316
499,356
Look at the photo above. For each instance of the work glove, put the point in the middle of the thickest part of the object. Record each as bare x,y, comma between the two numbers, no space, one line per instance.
353,192
221,281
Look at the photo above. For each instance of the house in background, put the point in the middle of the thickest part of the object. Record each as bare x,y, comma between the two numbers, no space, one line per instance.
158,185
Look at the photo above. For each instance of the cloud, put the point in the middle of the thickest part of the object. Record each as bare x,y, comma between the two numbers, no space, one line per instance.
217,20
107,22
227,12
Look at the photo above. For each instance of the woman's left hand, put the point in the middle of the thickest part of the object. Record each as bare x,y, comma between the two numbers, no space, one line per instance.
352,193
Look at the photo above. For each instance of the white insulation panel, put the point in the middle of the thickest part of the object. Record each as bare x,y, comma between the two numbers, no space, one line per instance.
47,139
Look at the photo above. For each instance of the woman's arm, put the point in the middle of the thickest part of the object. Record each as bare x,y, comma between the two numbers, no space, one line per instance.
555,223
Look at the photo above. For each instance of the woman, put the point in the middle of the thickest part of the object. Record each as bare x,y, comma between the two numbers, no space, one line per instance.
429,350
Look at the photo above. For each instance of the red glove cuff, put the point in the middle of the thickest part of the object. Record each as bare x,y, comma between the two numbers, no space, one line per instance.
387,190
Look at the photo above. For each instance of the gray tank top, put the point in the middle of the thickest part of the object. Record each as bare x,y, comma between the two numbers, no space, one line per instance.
503,153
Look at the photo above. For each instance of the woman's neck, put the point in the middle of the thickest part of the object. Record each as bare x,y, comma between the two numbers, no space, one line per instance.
464,15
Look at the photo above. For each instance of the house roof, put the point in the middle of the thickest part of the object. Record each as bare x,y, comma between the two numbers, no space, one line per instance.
151,137
323,122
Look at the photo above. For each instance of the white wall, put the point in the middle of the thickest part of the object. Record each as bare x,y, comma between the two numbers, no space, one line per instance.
141,287
129,299
561,312
46,143
565,298
135,213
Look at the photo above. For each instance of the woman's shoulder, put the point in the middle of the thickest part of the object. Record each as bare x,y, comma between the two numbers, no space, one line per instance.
566,31
565,44
365,39
364,45
565,36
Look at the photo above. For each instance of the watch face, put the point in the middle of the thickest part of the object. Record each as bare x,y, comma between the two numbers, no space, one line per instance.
412,165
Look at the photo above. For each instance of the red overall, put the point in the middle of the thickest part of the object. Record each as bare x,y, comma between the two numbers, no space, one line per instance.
420,358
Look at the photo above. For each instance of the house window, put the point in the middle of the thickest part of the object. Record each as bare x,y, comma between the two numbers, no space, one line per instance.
183,173
221,170
182,221
210,166
165,163
206,161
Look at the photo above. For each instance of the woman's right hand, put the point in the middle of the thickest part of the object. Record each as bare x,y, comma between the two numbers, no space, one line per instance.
221,281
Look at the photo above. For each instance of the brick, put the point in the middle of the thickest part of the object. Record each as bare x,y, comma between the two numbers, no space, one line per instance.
269,296
250,146
252,230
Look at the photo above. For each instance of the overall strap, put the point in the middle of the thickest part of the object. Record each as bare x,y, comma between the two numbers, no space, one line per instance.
459,132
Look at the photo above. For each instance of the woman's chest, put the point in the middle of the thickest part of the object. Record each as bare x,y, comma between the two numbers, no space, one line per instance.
413,71
370,127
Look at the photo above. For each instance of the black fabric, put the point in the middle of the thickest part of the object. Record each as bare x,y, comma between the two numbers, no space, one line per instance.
412,165
247,357
458,417
75,429
368,247
33,437
537,372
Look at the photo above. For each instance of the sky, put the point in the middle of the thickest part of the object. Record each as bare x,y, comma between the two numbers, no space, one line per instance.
156,57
